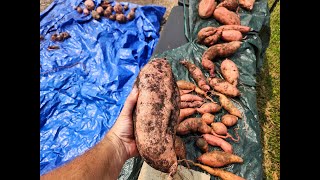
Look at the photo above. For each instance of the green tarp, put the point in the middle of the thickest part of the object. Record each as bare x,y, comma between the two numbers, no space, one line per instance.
249,59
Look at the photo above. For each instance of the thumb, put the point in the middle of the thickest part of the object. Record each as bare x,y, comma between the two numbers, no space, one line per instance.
130,102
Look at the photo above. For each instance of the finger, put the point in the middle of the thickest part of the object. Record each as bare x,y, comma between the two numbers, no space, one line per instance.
130,102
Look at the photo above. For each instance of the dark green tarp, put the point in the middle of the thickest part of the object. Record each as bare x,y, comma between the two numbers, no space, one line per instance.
249,59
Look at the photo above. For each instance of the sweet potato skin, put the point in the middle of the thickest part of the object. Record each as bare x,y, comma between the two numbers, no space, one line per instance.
206,8
224,87
230,71
190,97
219,158
229,120
231,35
180,148
241,28
213,39
205,32
225,16
228,105
155,116
193,104
231,5
193,125
216,141
207,118
209,108
185,113
247,4
185,85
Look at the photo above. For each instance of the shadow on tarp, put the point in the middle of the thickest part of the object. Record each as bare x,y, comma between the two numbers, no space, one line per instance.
84,84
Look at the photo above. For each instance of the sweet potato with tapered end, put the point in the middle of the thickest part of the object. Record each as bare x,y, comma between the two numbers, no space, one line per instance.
241,28
196,74
213,39
208,118
224,87
228,105
226,17
193,104
231,35
224,175
185,113
206,8
205,32
186,85
219,158
220,129
230,71
202,145
193,125
156,114
209,108
180,148
231,5
246,4
190,97
216,141
229,120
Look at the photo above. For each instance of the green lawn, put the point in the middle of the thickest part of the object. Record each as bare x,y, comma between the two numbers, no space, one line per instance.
268,99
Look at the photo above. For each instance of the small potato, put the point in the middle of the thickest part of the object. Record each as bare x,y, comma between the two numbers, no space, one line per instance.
86,11
112,17
230,71
231,35
107,13
121,18
79,10
89,5
118,8
247,4
99,10
95,15
229,120
208,118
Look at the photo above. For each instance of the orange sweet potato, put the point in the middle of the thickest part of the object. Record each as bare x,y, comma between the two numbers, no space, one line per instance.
185,113
209,108
225,16
241,28
228,105
231,5
180,148
196,74
193,104
211,40
220,129
224,175
205,32
247,4
156,114
216,141
224,87
231,35
219,158
230,71
206,8
229,120
207,118
184,91
190,97
185,85
202,144
193,125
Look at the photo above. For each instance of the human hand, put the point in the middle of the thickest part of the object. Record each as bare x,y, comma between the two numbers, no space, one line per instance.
123,128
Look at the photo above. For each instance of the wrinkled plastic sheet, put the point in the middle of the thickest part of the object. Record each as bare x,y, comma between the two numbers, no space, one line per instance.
249,59
83,85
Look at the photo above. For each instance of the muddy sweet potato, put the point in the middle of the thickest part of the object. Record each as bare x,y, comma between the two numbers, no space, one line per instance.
156,114
224,175
228,105
185,85
205,32
202,145
219,158
246,4
193,104
220,129
216,141
213,39
206,8
209,108
180,148
229,120
196,74
185,113
230,71
224,87
190,97
218,50
231,5
193,125
231,35
208,118
226,17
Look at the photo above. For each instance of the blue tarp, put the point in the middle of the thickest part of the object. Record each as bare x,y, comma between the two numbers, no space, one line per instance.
84,84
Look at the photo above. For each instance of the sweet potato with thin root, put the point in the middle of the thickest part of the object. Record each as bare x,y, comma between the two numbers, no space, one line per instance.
219,158
180,148
229,120
230,71
228,105
224,87
224,175
206,8
225,16
247,4
207,118
193,125
196,74
190,97
193,104
220,129
156,114
185,113
231,5
241,28
216,141
185,85
205,32
209,108
218,50
202,145
231,35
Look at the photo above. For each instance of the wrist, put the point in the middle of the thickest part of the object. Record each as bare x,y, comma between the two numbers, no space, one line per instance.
118,145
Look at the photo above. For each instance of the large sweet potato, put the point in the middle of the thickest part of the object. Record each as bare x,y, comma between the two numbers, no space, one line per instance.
225,16
206,8
156,114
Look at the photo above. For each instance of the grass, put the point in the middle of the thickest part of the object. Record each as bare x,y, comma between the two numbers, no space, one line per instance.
268,99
